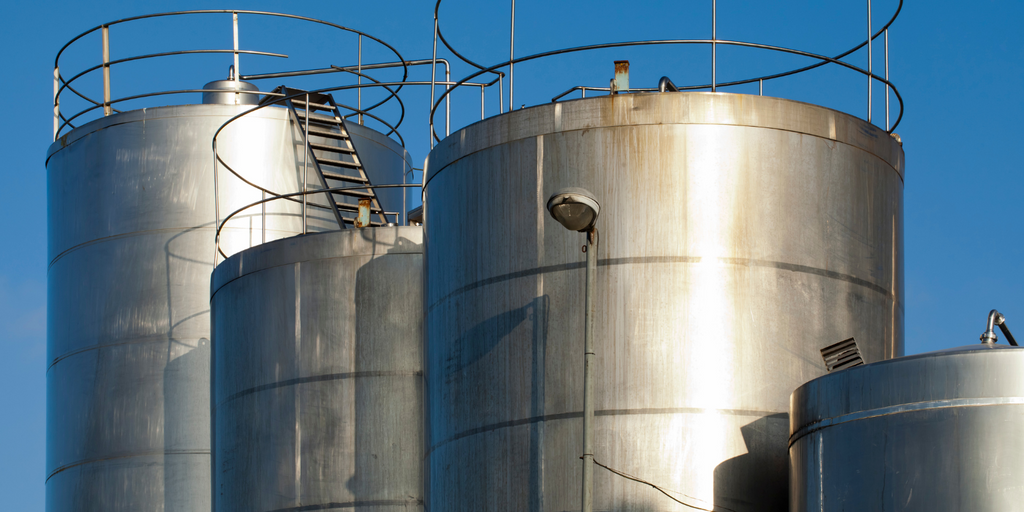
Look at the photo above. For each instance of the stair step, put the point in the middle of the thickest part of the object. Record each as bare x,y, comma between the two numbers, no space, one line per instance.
355,193
337,163
346,207
328,134
359,180
335,149
300,105
318,118
373,223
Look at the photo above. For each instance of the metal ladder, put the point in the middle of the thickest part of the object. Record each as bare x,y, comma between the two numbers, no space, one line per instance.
334,158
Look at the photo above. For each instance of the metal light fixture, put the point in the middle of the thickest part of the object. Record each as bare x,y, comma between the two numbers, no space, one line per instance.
577,209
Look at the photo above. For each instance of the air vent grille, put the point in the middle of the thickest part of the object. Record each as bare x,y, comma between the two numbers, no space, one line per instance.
842,355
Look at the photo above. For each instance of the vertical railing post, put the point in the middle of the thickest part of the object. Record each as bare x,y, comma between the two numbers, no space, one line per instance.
106,71
760,87
501,95
433,73
56,101
216,206
481,102
886,79
511,58
359,80
869,60
714,45
234,33
305,159
263,218
238,70
447,100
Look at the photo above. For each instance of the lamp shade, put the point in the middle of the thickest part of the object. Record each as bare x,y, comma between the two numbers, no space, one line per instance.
575,208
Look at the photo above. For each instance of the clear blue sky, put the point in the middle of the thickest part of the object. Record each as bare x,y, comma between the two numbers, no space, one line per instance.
959,66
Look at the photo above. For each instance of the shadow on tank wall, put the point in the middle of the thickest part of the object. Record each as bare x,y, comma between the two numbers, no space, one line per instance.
186,358
761,472
388,365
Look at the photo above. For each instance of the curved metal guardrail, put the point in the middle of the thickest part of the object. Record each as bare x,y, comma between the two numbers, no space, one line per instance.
62,85
291,197
713,85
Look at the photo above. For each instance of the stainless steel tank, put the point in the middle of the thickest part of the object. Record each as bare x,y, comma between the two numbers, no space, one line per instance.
131,249
932,432
318,373
738,236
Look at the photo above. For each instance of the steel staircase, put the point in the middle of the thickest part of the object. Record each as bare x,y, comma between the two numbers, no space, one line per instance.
333,158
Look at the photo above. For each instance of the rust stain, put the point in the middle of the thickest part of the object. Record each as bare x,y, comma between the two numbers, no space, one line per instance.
363,219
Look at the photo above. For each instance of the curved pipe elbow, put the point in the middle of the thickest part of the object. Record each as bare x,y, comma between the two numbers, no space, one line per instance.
666,85
996,319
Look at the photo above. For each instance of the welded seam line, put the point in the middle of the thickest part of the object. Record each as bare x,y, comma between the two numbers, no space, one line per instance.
603,412
156,338
656,124
903,408
139,454
351,504
669,259
320,378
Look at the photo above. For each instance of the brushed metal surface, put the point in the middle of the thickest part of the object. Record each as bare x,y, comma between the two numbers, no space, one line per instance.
131,234
739,235
384,161
318,373
219,96
931,432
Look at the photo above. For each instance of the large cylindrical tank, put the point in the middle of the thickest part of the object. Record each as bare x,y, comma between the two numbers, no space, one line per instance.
131,248
318,375
738,236
935,432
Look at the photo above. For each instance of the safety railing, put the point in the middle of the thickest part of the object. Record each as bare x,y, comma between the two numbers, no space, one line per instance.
103,101
221,224
714,85
270,195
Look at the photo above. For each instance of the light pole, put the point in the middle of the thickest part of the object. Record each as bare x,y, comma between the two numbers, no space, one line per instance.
577,210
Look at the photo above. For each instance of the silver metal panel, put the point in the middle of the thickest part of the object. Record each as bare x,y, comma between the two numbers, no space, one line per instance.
385,161
932,432
228,98
131,246
318,373
739,235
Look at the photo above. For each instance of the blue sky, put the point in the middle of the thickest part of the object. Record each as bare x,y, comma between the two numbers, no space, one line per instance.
960,70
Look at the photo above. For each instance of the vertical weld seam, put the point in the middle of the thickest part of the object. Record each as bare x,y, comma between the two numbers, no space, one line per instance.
297,389
895,291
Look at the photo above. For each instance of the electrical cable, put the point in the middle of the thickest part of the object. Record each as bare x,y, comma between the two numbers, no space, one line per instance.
663,491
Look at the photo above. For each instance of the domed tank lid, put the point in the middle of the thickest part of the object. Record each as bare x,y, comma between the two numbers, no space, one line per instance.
955,377
222,92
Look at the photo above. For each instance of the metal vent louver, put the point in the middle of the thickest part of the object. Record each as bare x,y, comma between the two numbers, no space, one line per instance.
842,355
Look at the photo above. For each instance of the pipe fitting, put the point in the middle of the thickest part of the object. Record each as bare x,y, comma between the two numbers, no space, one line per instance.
665,84
995,318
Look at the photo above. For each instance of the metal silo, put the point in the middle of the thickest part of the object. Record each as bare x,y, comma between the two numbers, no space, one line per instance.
131,244
135,198
737,233
932,432
318,373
